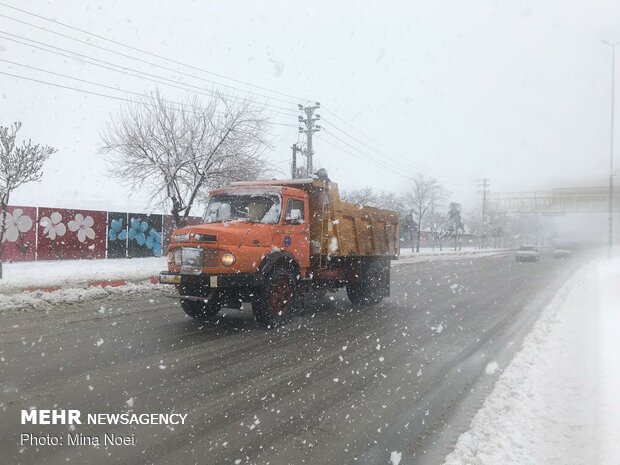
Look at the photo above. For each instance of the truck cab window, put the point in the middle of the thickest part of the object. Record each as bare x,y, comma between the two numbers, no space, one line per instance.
294,211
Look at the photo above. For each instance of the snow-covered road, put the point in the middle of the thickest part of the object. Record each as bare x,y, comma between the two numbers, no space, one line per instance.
557,401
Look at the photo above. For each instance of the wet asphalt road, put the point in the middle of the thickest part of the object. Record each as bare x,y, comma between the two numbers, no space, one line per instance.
336,386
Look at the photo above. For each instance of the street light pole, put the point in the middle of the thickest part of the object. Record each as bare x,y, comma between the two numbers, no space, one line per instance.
611,148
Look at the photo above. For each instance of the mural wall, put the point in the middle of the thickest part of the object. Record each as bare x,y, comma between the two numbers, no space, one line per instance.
44,233
20,238
117,235
66,234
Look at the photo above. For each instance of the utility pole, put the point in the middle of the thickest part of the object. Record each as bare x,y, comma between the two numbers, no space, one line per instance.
310,128
484,184
294,163
611,149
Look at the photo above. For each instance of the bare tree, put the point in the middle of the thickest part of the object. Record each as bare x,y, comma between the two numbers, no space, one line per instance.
438,225
18,165
178,152
368,197
424,195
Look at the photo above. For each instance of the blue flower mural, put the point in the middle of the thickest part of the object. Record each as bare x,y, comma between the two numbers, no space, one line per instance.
117,234
117,230
153,242
144,236
137,228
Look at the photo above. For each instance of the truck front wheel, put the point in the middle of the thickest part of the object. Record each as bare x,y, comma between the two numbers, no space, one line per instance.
202,309
274,302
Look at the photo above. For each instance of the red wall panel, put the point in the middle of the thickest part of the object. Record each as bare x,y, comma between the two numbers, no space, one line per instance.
74,234
20,234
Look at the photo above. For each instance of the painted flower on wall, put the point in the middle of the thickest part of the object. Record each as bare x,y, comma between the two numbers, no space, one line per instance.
83,226
15,224
137,229
153,242
117,231
52,226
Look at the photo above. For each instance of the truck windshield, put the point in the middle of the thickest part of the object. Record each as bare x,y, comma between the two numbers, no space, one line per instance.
254,208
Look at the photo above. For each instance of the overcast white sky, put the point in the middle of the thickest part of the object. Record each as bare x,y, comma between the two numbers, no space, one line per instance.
516,91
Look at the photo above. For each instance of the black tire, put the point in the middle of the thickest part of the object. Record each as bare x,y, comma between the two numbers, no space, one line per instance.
363,294
201,310
370,289
274,302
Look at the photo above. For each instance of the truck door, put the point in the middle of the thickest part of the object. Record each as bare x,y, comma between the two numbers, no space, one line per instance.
293,231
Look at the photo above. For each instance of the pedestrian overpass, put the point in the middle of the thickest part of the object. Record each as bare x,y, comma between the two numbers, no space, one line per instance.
556,202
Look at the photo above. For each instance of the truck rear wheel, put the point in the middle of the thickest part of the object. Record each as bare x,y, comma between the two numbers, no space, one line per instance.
372,285
274,302
361,294
202,309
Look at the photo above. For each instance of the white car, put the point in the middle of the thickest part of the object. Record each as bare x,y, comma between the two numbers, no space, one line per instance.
527,253
562,251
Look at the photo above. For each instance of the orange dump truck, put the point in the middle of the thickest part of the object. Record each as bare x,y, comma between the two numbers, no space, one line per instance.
268,242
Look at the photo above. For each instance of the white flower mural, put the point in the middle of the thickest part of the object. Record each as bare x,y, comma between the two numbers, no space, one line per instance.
52,226
15,224
83,226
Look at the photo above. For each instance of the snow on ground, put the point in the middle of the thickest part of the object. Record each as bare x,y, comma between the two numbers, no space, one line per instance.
62,272
68,272
428,254
45,300
557,401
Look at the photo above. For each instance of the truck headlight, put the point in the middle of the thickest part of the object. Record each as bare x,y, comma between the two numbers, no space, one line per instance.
228,259
178,257
170,258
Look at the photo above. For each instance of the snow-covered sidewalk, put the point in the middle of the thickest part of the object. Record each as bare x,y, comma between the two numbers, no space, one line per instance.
558,401
75,272
428,255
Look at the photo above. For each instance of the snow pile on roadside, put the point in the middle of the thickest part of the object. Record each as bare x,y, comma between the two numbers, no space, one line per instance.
407,252
608,425
62,272
556,402
44,300
428,255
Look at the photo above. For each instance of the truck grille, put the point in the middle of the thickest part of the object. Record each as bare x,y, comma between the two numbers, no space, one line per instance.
210,258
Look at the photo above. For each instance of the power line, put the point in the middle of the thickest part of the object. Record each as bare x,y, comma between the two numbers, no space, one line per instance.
380,144
150,53
150,63
400,162
114,97
400,173
370,159
128,71
377,161
177,84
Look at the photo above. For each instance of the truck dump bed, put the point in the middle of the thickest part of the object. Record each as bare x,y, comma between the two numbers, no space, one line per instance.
343,229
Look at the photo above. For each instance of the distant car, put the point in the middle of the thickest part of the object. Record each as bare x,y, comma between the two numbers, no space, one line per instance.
562,251
527,253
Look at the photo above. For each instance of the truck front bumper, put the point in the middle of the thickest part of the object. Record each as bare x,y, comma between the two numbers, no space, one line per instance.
205,281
